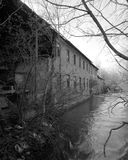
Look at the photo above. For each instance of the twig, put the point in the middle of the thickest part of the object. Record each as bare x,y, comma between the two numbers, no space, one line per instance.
118,53
11,15
67,6
110,132
116,105
118,61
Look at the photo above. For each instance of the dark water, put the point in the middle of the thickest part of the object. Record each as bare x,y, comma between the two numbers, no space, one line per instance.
88,126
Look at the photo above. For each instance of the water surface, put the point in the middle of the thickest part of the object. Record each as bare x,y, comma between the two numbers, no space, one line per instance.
88,126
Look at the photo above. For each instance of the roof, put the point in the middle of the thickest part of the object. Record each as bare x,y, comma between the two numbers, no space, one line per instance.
69,43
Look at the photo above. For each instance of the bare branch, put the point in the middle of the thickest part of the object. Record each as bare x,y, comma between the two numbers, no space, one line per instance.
11,15
118,3
116,25
118,61
110,132
73,19
113,26
49,16
112,107
103,32
98,35
67,6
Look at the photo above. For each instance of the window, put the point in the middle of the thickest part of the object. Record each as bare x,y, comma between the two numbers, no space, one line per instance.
58,49
68,56
75,82
84,83
91,69
80,82
83,64
74,59
79,61
87,66
68,81
87,83
59,81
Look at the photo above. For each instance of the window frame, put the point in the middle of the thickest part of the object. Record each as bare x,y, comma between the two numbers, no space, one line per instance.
68,81
58,50
84,83
68,55
80,82
75,82
80,62
83,64
74,59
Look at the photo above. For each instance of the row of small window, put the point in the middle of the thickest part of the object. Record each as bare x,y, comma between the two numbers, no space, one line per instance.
88,68
80,61
82,83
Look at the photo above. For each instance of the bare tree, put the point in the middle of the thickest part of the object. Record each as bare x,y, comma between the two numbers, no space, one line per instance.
99,14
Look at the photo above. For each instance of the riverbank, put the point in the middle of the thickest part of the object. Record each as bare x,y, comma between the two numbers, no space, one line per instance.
36,139
39,137
77,101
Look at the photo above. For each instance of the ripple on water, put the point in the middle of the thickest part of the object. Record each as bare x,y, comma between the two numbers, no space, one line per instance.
96,127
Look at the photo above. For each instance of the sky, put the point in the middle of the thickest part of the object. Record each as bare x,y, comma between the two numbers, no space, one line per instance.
94,48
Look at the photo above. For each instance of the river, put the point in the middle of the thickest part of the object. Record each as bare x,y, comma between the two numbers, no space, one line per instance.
88,126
